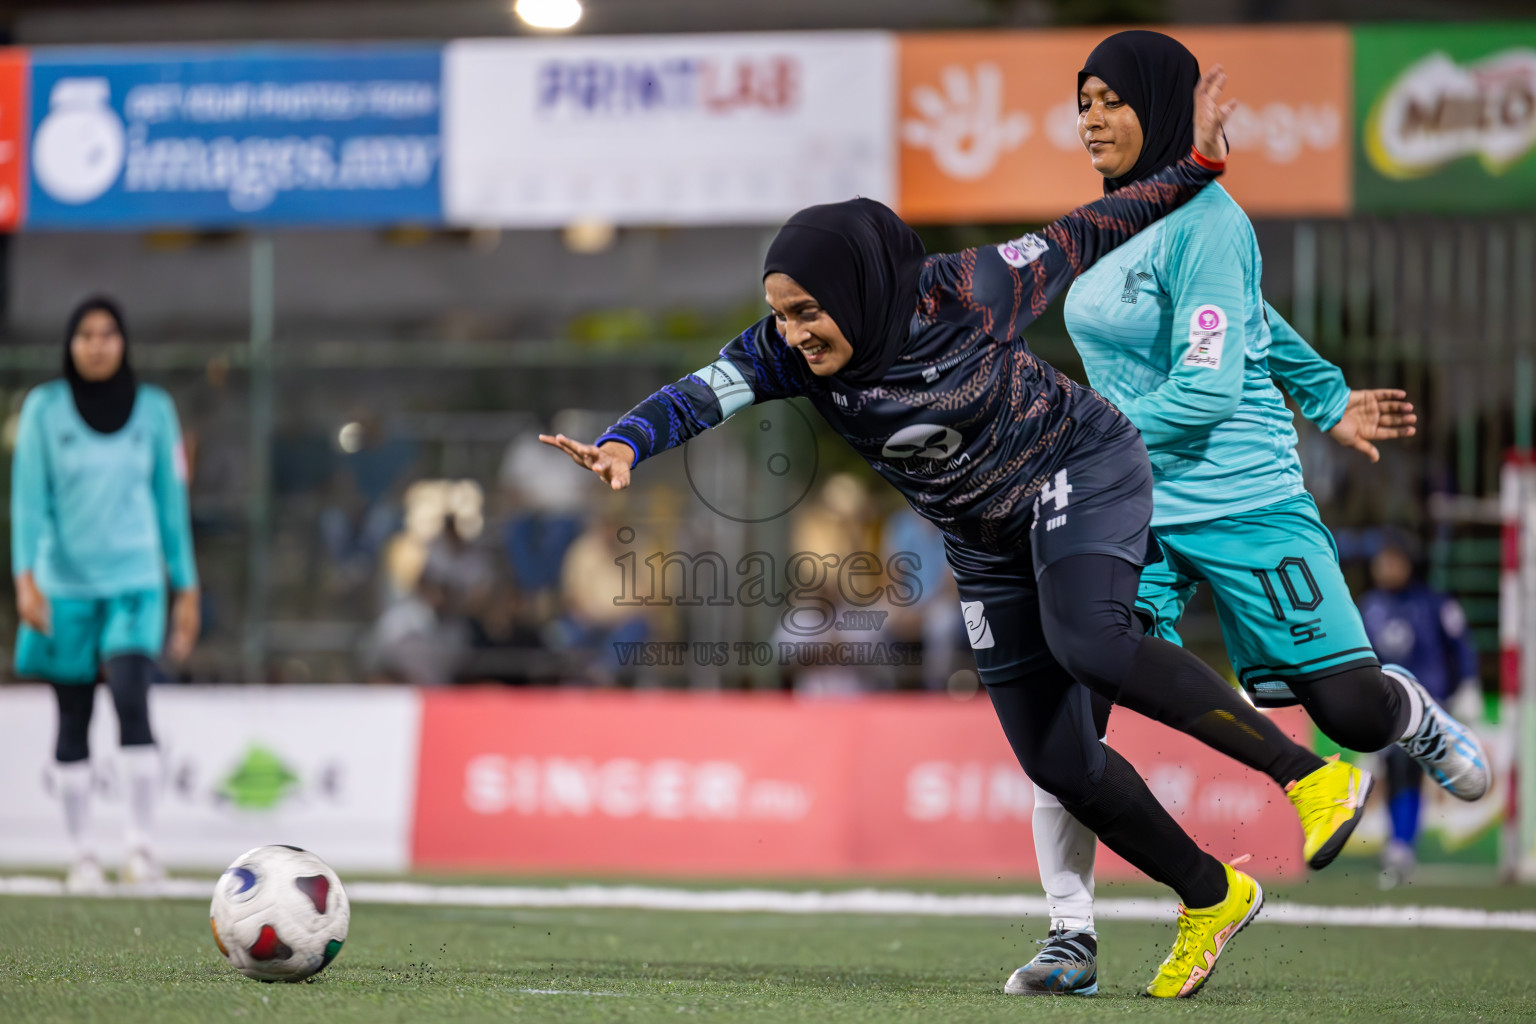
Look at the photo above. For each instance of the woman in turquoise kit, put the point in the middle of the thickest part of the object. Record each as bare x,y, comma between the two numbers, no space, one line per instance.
1173,330
98,521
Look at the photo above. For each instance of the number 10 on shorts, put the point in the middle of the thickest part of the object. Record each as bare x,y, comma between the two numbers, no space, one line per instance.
1303,598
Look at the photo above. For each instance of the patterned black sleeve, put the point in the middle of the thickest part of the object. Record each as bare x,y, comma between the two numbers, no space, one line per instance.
755,367
1004,288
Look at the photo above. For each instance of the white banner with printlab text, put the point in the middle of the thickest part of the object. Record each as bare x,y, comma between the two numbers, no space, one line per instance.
331,769
665,129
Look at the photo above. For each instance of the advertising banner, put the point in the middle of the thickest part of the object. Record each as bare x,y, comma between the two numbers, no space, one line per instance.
127,138
761,784
988,121
665,129
331,769
1447,117
13,137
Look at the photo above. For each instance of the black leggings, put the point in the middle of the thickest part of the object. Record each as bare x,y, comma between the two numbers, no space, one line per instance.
1087,613
1359,709
128,677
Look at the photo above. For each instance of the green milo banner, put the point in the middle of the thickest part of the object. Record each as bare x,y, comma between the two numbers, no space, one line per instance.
1446,116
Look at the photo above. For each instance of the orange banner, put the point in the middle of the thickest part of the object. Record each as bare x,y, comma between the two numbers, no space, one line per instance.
744,784
988,121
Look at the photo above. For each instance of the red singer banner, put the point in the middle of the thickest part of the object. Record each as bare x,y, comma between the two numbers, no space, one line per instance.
744,784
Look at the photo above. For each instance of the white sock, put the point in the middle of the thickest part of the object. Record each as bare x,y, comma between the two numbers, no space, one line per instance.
141,769
1415,701
1064,848
75,794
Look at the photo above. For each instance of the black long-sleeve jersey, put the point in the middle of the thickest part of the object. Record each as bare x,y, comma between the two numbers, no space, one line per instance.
968,424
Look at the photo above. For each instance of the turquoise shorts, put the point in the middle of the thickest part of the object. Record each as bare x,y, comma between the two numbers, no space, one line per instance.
89,631
1286,613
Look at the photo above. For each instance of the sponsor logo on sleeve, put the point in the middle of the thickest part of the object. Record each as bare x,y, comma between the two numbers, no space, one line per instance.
1207,335
1023,250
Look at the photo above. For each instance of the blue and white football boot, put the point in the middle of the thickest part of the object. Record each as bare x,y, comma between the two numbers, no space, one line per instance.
1067,965
1442,746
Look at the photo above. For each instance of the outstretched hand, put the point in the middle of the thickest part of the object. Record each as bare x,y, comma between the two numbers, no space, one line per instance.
1374,414
611,461
1210,111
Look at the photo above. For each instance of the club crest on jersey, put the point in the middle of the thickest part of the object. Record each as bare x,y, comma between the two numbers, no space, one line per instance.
1207,335
1023,250
1133,280
922,441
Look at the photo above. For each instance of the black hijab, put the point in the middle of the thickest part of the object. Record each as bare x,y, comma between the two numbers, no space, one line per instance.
861,263
1156,75
105,405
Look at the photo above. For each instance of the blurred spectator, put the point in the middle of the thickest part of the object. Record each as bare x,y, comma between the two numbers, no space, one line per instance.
590,588
415,642
440,586
378,459
353,531
463,570
917,549
838,521
543,494
1425,631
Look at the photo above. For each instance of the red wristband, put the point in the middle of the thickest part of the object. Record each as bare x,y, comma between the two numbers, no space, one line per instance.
1208,164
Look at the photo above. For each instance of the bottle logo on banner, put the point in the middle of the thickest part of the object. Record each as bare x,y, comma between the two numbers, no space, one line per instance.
964,127
79,147
1437,111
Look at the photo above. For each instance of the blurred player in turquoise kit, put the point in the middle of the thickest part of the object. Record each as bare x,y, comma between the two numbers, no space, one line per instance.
1425,631
1173,329
98,522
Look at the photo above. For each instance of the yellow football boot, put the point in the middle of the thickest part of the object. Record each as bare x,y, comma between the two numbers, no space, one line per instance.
1203,934
1330,802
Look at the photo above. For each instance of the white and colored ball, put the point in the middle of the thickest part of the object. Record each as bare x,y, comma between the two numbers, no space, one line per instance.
279,913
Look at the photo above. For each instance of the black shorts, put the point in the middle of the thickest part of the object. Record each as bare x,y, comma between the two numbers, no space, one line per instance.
1100,502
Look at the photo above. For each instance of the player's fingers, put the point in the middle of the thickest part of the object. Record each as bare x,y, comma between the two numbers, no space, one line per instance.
1228,109
562,442
1387,394
1368,449
584,454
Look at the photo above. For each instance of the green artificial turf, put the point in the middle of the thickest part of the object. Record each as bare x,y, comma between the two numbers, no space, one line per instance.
130,960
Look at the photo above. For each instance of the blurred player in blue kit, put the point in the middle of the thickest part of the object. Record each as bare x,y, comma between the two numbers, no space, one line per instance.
1173,329
1425,631
99,521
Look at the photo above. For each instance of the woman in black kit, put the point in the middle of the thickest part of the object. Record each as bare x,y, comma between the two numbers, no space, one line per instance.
1042,490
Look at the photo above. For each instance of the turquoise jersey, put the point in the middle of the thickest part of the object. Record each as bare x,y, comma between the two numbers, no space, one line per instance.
1173,329
96,515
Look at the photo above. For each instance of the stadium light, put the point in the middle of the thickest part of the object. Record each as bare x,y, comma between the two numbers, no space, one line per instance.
548,15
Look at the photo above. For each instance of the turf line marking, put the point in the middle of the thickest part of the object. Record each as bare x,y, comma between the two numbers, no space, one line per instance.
568,992
854,901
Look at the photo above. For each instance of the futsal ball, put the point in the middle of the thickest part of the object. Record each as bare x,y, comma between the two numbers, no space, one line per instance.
279,913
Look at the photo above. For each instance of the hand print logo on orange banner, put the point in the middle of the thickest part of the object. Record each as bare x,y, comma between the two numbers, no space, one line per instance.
988,122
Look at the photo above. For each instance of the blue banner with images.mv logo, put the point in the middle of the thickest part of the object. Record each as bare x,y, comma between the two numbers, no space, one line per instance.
225,137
